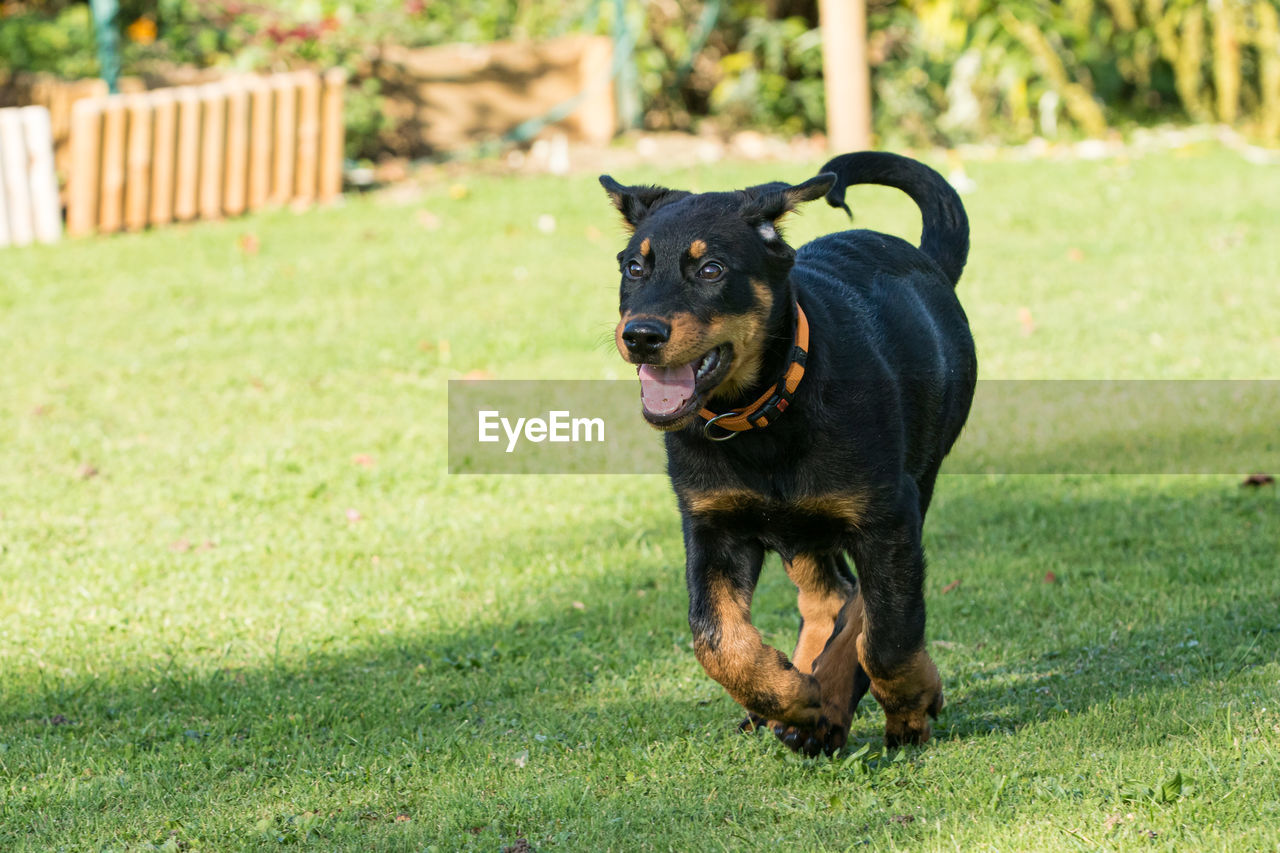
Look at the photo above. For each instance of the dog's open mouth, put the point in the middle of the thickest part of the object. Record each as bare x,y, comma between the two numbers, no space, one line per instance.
671,394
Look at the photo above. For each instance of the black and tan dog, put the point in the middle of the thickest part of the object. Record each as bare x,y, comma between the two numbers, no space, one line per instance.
843,373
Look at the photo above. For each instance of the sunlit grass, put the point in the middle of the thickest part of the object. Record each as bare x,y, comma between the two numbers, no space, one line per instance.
242,603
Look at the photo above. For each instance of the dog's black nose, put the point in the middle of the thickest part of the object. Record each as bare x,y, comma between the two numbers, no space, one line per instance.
645,337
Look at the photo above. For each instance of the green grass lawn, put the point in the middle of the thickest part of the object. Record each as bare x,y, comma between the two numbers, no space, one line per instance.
243,605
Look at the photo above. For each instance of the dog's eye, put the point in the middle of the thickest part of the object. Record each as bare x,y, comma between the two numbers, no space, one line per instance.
633,269
710,271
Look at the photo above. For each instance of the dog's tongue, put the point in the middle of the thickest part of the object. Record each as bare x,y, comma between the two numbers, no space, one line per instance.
664,390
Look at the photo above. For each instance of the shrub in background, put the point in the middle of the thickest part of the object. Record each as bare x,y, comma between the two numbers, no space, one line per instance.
57,40
943,71
946,71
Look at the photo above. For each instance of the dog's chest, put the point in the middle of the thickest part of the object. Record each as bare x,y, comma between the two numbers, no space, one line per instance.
808,522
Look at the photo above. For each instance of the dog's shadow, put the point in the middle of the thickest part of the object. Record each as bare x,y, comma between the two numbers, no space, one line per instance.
614,667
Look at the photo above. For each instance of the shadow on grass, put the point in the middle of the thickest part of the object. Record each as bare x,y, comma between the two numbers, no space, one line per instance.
579,682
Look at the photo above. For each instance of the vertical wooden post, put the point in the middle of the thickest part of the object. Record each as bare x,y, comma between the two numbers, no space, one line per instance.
82,196
846,74
137,184
164,156
188,178
332,136
596,117
260,128
74,93
308,137
46,214
286,99
237,148
13,161
111,204
214,104
4,212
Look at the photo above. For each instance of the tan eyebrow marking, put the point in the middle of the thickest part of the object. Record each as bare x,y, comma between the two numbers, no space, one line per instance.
697,249
644,247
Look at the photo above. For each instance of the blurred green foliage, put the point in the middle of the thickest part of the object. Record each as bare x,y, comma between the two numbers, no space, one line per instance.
60,41
948,71
944,71
774,78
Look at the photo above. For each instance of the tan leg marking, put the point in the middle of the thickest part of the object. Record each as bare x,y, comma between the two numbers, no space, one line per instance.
836,665
819,606
758,677
833,620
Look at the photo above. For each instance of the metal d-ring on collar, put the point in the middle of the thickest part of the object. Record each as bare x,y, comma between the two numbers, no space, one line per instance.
728,434
773,402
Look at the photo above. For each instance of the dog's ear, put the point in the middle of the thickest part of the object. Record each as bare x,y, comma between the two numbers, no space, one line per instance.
635,203
768,203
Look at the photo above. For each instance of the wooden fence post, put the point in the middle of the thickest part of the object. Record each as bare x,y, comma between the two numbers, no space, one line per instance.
214,107
186,193
286,99
260,128
137,185
332,135
596,117
308,156
82,195
201,151
846,74
111,202
164,155
237,148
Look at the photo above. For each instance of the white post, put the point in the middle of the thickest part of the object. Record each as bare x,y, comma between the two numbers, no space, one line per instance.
4,206
13,151
45,209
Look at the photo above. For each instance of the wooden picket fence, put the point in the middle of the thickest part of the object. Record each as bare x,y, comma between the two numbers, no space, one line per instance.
29,208
208,151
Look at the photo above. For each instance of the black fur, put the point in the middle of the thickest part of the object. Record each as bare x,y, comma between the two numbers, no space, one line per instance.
890,377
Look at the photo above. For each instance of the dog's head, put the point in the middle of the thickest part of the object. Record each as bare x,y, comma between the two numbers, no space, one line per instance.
704,278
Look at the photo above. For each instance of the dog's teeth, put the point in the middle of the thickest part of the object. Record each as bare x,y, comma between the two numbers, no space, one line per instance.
704,365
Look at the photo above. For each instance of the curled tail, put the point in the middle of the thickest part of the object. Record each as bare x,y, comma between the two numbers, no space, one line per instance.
945,236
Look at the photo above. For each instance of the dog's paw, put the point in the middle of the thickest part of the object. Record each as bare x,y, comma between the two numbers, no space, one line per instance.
912,727
752,723
824,737
910,695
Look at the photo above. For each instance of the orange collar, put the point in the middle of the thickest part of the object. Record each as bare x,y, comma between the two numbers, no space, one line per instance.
772,402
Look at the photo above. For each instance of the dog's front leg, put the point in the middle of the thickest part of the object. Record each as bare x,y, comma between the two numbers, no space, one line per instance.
831,621
891,650
722,570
